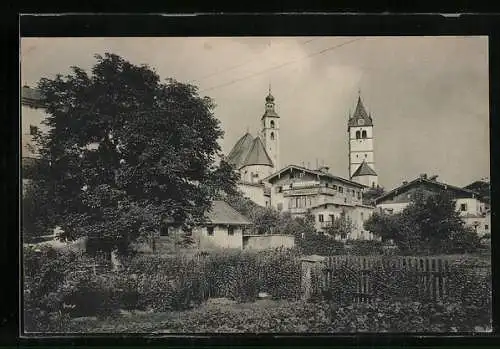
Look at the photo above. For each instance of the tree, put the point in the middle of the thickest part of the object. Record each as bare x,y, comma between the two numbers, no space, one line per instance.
371,194
429,224
127,150
341,226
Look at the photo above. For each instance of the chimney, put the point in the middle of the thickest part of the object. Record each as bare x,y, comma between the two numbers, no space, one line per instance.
423,175
433,178
405,182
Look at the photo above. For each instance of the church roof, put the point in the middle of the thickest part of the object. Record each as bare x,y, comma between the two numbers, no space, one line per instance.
240,150
249,151
364,170
360,114
258,154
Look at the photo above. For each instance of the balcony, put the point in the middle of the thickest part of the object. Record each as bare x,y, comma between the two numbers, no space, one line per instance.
309,190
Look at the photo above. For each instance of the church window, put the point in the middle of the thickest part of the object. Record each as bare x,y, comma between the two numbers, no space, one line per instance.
272,123
363,135
358,135
373,184
272,136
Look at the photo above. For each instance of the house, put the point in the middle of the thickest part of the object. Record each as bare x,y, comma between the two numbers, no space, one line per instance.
300,191
226,228
470,205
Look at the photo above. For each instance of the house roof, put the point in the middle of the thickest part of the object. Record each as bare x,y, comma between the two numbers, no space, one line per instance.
360,114
249,151
420,180
314,172
364,170
221,213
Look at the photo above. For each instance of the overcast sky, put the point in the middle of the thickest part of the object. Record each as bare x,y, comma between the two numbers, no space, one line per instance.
428,96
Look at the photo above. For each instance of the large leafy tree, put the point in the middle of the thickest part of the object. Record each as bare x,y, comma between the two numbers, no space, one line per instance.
127,150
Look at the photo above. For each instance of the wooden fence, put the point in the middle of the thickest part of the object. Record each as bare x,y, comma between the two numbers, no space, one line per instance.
426,276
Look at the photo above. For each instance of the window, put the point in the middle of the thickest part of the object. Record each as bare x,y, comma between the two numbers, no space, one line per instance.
357,156
334,187
210,231
332,218
279,189
373,184
272,123
280,206
297,202
353,193
343,236
486,227
164,230
320,218
463,207
33,130
345,200
304,201
366,155
359,195
363,134
272,136
361,121
230,231
362,218
341,190
358,135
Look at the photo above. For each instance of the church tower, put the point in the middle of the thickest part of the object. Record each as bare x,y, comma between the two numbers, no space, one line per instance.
361,155
270,132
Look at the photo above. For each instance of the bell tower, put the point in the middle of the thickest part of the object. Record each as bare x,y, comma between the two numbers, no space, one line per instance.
270,132
361,152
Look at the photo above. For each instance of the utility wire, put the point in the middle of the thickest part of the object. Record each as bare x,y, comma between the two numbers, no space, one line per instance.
281,65
241,64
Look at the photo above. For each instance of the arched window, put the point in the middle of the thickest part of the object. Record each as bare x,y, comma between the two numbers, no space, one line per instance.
363,134
272,136
358,135
272,123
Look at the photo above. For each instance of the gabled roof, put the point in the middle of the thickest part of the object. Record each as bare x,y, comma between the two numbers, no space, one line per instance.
249,151
364,170
221,213
240,150
257,154
360,114
420,180
321,174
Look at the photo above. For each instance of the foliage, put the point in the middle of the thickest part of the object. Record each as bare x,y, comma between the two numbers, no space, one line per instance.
126,150
429,225
371,194
340,227
299,317
60,282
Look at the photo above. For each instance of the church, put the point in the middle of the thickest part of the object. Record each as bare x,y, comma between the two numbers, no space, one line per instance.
300,190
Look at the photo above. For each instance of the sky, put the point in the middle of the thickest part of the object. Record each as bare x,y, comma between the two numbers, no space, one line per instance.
428,96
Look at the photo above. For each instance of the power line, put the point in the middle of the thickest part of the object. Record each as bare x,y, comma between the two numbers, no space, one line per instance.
242,64
281,65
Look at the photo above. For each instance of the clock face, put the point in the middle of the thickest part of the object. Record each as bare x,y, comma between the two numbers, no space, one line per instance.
361,122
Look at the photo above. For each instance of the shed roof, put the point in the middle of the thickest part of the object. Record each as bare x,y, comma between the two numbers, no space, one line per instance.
221,213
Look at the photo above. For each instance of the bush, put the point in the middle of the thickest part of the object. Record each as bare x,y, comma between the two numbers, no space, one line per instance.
319,244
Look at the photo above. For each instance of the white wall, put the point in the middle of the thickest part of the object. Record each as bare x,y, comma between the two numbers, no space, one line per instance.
473,206
261,171
366,180
254,193
263,242
220,238
395,207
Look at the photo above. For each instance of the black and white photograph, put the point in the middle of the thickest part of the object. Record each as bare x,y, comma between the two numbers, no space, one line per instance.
255,184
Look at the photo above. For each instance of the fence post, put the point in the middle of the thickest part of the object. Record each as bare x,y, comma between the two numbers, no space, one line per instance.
311,268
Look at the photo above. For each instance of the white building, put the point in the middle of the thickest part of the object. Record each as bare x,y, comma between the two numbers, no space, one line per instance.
300,191
473,210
